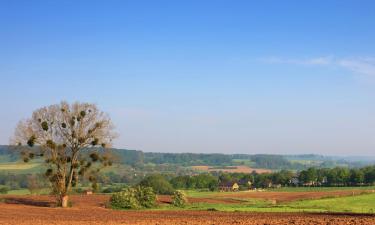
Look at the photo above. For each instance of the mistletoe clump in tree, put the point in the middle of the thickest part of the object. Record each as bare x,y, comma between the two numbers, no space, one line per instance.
73,140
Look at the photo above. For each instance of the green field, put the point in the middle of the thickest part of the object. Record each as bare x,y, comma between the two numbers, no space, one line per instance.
364,203
21,167
205,193
18,166
314,189
25,191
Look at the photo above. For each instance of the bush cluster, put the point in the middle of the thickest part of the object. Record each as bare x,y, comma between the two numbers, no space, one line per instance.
179,199
134,198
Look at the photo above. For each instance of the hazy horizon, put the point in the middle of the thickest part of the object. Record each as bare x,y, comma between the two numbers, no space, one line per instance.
203,77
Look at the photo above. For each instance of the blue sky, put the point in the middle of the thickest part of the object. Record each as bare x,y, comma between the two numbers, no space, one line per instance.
199,76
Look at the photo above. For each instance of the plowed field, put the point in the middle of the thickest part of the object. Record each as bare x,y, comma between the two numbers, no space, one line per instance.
89,210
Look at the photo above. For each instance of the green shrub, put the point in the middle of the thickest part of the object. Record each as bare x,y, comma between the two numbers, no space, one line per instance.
179,199
4,190
134,198
125,199
146,196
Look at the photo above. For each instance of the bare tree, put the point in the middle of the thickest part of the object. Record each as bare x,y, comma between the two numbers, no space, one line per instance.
72,138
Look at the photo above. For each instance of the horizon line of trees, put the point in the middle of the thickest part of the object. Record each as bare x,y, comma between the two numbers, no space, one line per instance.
167,183
338,176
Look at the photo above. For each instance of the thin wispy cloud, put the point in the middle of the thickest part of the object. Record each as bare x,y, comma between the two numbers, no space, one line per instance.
309,61
361,66
365,66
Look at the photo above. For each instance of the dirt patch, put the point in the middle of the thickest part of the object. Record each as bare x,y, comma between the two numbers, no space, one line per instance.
29,201
90,210
292,196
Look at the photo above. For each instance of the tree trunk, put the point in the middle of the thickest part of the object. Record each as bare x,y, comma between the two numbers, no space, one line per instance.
64,199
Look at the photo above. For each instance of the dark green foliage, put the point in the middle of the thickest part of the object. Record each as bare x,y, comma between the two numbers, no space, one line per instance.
369,174
44,125
49,172
31,141
271,161
82,171
201,181
338,176
188,158
50,144
278,162
308,176
8,155
94,156
92,178
158,183
357,176
95,142
31,155
95,186
15,181
130,157
282,177
82,113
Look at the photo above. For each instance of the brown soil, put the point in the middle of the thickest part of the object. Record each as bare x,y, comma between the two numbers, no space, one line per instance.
292,196
90,209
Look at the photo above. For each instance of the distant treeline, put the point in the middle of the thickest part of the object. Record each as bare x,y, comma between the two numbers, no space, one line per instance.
165,183
138,158
7,154
276,162
13,181
338,176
